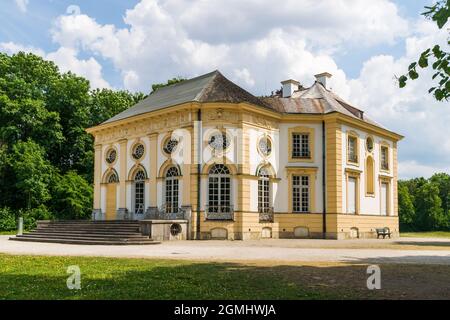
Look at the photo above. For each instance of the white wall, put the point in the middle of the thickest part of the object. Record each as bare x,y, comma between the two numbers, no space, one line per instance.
368,205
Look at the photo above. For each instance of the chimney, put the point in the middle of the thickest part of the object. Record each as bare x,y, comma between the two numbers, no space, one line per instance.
289,86
322,78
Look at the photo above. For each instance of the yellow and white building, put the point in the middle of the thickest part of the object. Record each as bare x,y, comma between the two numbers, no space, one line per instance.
299,163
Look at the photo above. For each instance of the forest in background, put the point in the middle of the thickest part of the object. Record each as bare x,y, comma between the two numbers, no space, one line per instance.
46,157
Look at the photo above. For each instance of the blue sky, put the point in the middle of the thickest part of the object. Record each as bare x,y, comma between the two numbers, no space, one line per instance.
132,44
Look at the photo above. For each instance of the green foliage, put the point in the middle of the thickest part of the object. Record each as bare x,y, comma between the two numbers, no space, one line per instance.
407,212
7,219
438,57
44,147
31,216
169,82
72,197
424,203
31,173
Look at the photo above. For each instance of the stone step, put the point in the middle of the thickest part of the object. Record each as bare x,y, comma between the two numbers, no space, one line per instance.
99,232
84,242
94,234
87,232
132,229
84,237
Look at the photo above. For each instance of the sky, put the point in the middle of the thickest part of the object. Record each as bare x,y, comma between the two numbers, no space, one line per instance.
130,45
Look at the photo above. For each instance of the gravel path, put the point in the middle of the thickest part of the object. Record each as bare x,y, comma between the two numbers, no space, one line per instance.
364,251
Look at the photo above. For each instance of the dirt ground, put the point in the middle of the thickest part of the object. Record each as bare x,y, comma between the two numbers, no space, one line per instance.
398,281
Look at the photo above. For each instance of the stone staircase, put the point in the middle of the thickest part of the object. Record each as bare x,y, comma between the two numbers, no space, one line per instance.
87,232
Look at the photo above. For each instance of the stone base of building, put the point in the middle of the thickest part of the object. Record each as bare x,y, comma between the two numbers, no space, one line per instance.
298,226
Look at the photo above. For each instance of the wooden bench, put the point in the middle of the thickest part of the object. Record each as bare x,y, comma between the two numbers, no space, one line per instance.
383,232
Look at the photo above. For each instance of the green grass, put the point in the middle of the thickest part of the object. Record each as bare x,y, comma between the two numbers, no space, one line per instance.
8,232
36,277
428,234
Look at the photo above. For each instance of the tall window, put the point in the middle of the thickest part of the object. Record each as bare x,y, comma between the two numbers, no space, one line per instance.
352,150
263,190
384,157
139,192
300,193
172,188
219,189
300,145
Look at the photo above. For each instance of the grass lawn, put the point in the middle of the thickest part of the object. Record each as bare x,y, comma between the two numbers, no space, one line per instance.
38,277
428,234
8,233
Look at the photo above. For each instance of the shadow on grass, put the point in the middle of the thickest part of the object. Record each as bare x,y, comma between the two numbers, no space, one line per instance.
425,243
26,277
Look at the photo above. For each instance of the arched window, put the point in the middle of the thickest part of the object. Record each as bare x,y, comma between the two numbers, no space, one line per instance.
263,190
139,192
172,188
112,178
219,189
370,176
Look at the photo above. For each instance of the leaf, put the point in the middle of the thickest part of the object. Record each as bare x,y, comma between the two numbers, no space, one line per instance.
412,66
413,74
423,61
431,90
402,81
439,94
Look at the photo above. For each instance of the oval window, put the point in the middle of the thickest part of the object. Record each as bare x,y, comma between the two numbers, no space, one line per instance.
138,151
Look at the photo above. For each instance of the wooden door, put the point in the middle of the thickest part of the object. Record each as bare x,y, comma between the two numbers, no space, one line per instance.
111,195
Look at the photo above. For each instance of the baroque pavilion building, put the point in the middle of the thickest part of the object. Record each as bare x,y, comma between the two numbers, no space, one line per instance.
301,163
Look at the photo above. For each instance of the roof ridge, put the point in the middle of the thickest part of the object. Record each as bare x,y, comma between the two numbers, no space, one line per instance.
173,85
215,73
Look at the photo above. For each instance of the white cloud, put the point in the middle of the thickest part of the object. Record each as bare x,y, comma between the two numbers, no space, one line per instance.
413,169
258,43
11,48
66,59
179,37
22,5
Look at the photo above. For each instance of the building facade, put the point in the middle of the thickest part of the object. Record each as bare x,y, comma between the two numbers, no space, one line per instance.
299,163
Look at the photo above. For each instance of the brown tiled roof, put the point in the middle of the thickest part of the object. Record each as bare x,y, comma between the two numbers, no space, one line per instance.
214,87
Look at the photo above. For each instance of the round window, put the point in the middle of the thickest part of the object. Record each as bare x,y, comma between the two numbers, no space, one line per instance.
265,146
369,144
219,141
138,151
111,156
170,145
175,229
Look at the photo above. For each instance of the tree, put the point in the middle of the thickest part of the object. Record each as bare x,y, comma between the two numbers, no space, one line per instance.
30,173
169,82
439,57
407,214
430,215
72,197
106,103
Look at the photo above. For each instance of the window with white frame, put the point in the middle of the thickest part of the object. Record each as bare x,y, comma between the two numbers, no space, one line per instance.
300,193
139,192
263,190
300,145
219,189
172,190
